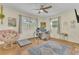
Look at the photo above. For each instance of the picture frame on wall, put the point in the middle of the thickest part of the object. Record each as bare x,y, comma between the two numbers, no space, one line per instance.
11,22
43,25
55,23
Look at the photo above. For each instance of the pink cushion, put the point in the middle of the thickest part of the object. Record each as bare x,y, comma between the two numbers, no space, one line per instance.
8,35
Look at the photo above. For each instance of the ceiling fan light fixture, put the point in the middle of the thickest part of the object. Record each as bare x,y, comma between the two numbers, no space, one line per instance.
41,11
43,8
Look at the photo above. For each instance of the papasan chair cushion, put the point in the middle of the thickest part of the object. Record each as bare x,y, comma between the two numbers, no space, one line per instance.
8,36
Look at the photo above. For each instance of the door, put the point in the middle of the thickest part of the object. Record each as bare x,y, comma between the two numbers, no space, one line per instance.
55,27
28,26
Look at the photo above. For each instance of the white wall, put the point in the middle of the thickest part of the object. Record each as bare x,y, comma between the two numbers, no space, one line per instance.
66,19
66,25
9,12
43,19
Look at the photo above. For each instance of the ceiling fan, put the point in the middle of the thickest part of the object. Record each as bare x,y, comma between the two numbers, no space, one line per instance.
43,8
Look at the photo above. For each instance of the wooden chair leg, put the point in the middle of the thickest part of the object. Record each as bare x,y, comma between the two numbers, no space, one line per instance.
11,45
8,45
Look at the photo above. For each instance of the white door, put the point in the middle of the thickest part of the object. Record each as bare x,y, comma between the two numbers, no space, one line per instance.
54,27
28,27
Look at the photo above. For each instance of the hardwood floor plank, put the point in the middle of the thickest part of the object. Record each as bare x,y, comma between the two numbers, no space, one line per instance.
17,50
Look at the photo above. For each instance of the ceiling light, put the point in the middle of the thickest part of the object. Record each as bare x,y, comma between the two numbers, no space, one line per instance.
41,10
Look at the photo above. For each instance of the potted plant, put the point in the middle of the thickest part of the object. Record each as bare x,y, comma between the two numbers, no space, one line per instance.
2,15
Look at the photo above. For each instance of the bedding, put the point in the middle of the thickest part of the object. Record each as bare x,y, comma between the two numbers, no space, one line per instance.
50,48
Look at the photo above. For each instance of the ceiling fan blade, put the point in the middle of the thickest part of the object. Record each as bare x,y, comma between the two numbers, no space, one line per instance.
45,11
47,7
36,9
42,6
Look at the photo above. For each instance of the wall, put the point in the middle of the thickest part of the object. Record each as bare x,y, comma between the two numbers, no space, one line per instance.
67,25
66,19
43,19
9,12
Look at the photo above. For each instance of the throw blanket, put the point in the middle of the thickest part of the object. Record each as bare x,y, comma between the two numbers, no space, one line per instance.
50,48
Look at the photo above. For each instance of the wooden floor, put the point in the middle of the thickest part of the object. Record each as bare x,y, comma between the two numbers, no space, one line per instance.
17,50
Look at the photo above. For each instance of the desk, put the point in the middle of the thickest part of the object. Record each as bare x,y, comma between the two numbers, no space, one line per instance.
45,36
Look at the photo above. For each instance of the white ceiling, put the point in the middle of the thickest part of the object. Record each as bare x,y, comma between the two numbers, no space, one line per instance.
29,7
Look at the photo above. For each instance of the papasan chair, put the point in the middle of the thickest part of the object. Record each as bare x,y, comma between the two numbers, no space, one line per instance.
8,38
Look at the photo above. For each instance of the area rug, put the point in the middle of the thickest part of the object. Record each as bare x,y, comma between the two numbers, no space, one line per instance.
50,48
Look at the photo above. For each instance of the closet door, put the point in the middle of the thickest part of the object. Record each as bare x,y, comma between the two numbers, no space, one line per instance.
28,26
